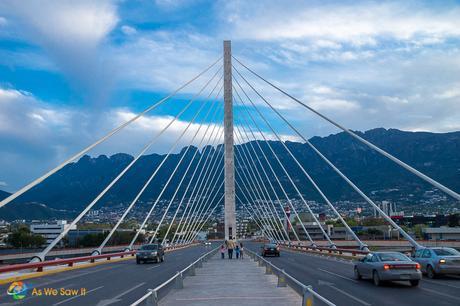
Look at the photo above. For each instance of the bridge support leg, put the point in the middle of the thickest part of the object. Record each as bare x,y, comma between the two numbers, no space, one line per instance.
179,281
281,279
152,300
307,298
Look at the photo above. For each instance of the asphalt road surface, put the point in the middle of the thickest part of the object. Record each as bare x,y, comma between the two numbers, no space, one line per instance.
119,283
333,279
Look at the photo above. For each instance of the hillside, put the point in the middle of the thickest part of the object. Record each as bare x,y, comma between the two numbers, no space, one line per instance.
435,154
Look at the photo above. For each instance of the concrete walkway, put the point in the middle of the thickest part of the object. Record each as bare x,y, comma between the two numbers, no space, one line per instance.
231,282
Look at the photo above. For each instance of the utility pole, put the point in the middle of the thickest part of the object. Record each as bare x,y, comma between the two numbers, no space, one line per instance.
229,162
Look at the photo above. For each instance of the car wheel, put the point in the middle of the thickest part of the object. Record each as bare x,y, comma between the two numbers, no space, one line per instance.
376,278
430,272
414,283
357,275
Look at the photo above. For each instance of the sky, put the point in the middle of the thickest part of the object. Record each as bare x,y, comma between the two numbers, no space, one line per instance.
70,71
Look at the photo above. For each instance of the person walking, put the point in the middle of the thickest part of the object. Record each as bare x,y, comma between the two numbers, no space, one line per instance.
230,246
237,251
241,250
222,251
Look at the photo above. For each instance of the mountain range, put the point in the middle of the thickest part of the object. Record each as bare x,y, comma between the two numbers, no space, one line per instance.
436,154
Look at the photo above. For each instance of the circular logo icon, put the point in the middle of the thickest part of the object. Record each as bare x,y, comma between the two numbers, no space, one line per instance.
18,290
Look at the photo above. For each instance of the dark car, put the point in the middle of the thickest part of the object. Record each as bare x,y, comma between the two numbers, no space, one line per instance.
150,252
436,261
270,249
388,266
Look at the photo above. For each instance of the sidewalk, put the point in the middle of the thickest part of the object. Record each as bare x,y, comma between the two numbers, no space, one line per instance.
231,282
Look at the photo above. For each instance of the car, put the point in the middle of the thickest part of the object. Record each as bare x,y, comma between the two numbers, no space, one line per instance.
438,260
207,243
150,252
388,266
270,249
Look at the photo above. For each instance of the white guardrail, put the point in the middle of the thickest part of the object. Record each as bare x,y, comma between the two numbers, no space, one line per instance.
284,279
152,297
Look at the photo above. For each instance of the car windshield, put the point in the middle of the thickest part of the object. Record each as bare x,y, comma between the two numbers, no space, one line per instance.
393,257
271,245
446,252
149,247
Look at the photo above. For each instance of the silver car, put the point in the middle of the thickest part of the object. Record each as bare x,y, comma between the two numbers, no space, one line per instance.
388,266
435,261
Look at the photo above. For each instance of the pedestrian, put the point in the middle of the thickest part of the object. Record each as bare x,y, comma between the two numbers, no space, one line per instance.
241,250
230,249
237,251
222,251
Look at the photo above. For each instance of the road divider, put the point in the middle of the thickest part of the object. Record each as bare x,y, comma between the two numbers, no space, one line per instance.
59,265
285,279
153,296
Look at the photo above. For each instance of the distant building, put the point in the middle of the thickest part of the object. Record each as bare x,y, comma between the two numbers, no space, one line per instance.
441,233
430,220
313,229
50,231
242,228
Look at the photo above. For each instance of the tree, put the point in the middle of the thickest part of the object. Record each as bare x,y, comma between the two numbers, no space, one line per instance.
454,220
23,238
418,230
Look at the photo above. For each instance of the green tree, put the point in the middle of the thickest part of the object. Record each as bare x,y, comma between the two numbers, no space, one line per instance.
22,237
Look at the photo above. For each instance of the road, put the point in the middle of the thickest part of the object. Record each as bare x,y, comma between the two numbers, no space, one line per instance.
108,284
333,279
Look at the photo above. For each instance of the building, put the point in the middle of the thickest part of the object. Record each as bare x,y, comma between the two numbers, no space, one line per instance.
242,228
313,229
441,233
50,231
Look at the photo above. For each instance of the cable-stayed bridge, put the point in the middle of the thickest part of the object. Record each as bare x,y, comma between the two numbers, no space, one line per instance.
226,110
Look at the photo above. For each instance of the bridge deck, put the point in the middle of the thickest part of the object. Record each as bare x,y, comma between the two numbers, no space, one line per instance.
231,282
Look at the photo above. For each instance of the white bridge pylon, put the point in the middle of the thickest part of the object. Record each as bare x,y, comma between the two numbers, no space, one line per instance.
219,173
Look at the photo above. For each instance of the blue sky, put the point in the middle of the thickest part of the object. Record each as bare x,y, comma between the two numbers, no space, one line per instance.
72,70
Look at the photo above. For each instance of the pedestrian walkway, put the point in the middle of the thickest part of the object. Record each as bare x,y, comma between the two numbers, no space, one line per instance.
231,282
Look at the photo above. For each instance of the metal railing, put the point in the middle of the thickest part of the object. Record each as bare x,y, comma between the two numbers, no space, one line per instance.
153,296
329,250
39,266
285,279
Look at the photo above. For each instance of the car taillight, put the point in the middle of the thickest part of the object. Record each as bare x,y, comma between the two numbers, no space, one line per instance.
442,261
386,267
417,266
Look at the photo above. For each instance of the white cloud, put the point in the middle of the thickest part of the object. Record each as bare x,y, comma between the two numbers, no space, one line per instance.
48,134
361,23
333,104
128,30
71,33
3,21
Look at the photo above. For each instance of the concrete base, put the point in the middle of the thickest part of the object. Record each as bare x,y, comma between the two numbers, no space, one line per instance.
231,282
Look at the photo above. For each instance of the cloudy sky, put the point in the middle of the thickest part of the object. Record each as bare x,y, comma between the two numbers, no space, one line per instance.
72,70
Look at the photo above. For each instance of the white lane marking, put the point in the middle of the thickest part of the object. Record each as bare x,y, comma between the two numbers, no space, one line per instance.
338,275
128,291
154,267
77,296
350,295
440,283
441,294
